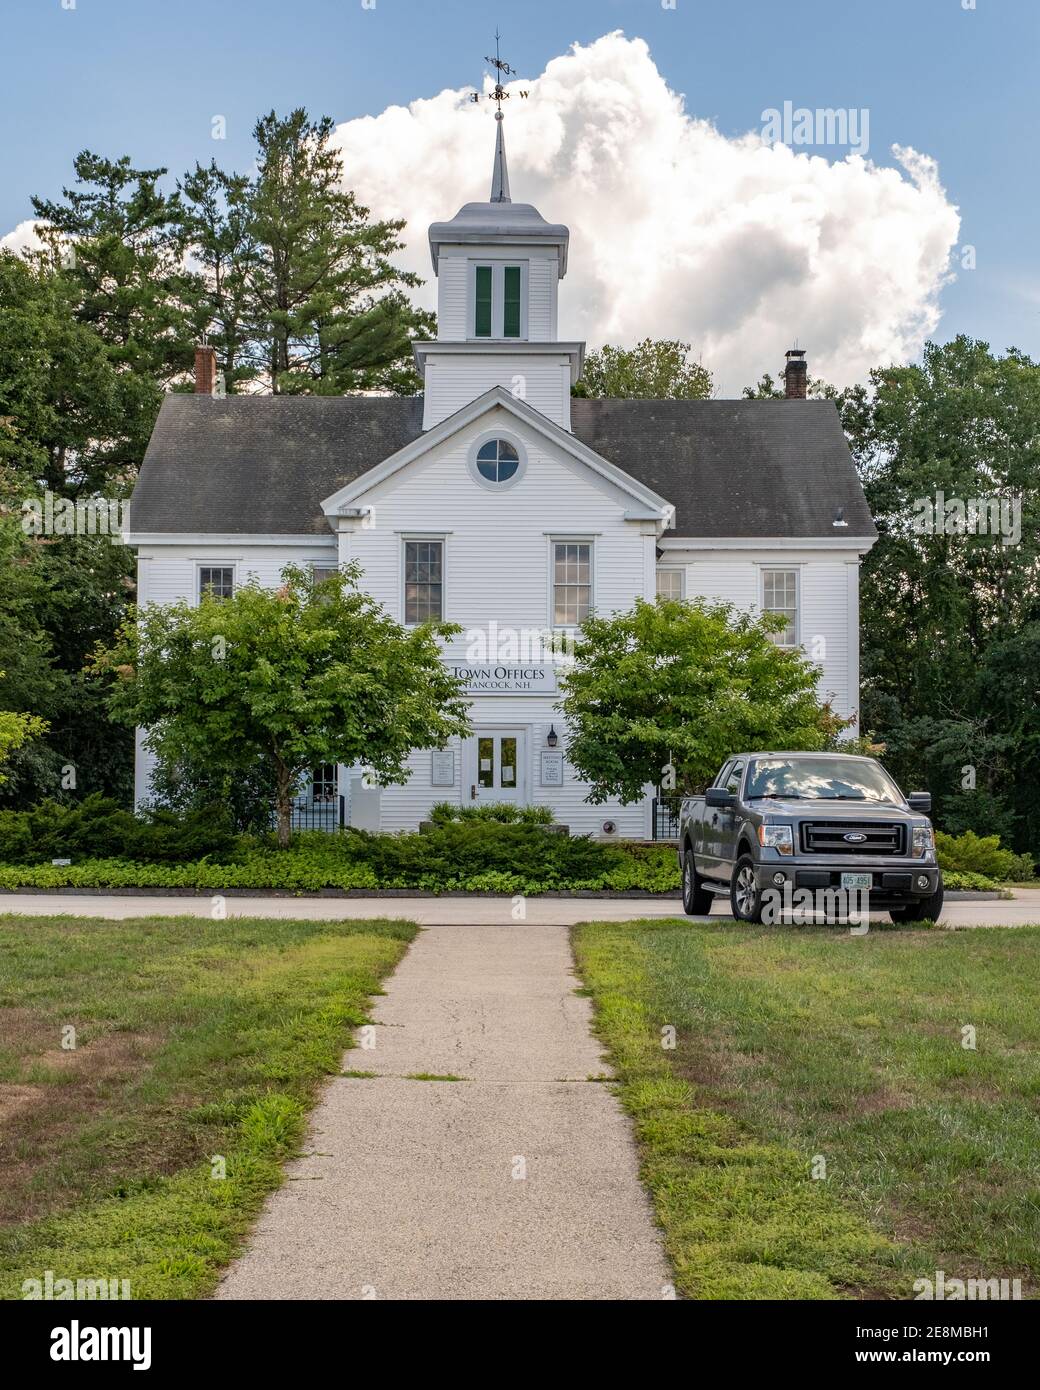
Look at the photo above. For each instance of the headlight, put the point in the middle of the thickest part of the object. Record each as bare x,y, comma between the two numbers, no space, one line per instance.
776,837
923,841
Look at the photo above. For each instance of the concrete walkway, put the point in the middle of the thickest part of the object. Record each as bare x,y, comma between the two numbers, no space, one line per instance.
1023,909
518,1182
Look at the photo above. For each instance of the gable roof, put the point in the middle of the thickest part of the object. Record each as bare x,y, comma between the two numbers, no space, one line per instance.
260,465
648,502
735,468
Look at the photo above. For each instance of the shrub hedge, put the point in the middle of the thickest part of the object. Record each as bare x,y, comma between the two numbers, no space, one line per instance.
97,827
491,849
452,857
501,812
974,854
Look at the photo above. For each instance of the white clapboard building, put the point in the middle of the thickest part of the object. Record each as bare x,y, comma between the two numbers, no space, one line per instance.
498,501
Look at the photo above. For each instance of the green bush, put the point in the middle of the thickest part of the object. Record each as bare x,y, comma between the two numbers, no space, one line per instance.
974,854
97,827
956,881
500,812
457,857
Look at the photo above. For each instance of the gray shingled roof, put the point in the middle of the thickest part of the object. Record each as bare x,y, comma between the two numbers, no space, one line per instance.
734,468
264,464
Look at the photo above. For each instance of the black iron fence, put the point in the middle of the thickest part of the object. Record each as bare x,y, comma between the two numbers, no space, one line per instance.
320,815
666,813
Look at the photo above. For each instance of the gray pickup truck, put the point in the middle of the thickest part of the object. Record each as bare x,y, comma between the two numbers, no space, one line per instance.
774,824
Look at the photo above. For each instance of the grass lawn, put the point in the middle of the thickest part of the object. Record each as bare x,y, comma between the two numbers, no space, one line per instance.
199,1048
796,1044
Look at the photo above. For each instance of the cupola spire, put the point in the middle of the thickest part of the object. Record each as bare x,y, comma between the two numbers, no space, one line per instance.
500,172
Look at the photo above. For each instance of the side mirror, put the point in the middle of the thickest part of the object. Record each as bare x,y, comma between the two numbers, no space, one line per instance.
920,801
720,797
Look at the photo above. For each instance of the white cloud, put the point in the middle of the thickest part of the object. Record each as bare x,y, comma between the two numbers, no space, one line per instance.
677,230
23,238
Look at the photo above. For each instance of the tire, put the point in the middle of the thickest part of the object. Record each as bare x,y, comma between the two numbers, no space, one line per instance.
696,899
923,910
745,897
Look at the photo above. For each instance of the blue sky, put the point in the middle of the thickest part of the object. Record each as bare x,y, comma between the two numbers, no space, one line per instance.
145,77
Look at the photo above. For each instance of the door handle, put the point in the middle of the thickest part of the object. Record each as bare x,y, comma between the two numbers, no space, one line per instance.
473,791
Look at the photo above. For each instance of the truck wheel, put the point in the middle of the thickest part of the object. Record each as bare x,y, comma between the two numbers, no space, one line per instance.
923,910
744,896
696,899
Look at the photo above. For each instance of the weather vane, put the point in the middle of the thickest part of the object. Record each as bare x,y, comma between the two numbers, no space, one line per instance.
502,69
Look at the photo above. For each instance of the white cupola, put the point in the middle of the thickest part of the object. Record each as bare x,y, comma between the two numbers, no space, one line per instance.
498,266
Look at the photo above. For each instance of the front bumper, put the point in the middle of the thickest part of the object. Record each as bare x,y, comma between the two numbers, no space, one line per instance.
893,880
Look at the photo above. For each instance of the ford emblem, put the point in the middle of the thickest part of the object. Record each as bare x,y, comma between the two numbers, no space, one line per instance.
854,838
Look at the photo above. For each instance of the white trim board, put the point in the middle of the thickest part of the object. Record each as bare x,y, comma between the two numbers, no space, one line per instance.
857,543
223,538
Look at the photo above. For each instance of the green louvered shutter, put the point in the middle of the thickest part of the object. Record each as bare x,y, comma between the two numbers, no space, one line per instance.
511,304
483,313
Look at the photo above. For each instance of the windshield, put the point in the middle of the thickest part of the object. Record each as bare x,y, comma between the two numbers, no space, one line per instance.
821,779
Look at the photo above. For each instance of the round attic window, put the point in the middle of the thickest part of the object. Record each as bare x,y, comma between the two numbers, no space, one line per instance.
496,462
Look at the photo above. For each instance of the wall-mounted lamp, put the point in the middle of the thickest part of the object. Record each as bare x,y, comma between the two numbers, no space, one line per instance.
552,738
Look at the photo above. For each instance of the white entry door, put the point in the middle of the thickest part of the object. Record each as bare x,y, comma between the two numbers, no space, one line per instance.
497,766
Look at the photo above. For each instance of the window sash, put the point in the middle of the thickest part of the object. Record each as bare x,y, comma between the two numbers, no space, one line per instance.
423,581
572,582
216,581
482,301
780,595
323,783
670,583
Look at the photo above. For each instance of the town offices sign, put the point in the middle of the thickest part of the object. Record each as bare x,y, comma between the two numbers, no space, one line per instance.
505,678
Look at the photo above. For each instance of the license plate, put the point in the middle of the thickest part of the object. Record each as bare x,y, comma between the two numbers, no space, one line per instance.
857,880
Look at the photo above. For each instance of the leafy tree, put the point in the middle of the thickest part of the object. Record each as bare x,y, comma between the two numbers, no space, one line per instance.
117,237
950,621
216,220
285,678
769,388
654,370
329,301
668,690
30,681
62,402
16,730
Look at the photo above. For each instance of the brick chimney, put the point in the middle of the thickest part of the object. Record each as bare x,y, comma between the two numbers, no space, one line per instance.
796,375
205,369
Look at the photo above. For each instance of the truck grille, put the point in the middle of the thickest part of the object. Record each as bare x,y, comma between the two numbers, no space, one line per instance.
828,837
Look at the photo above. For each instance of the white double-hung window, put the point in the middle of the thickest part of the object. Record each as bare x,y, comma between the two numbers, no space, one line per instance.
780,596
670,582
571,582
216,581
423,581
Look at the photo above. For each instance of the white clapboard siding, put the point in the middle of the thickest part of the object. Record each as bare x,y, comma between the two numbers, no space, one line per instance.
168,572
541,317
542,380
402,808
497,571
454,292
829,603
452,298
497,542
